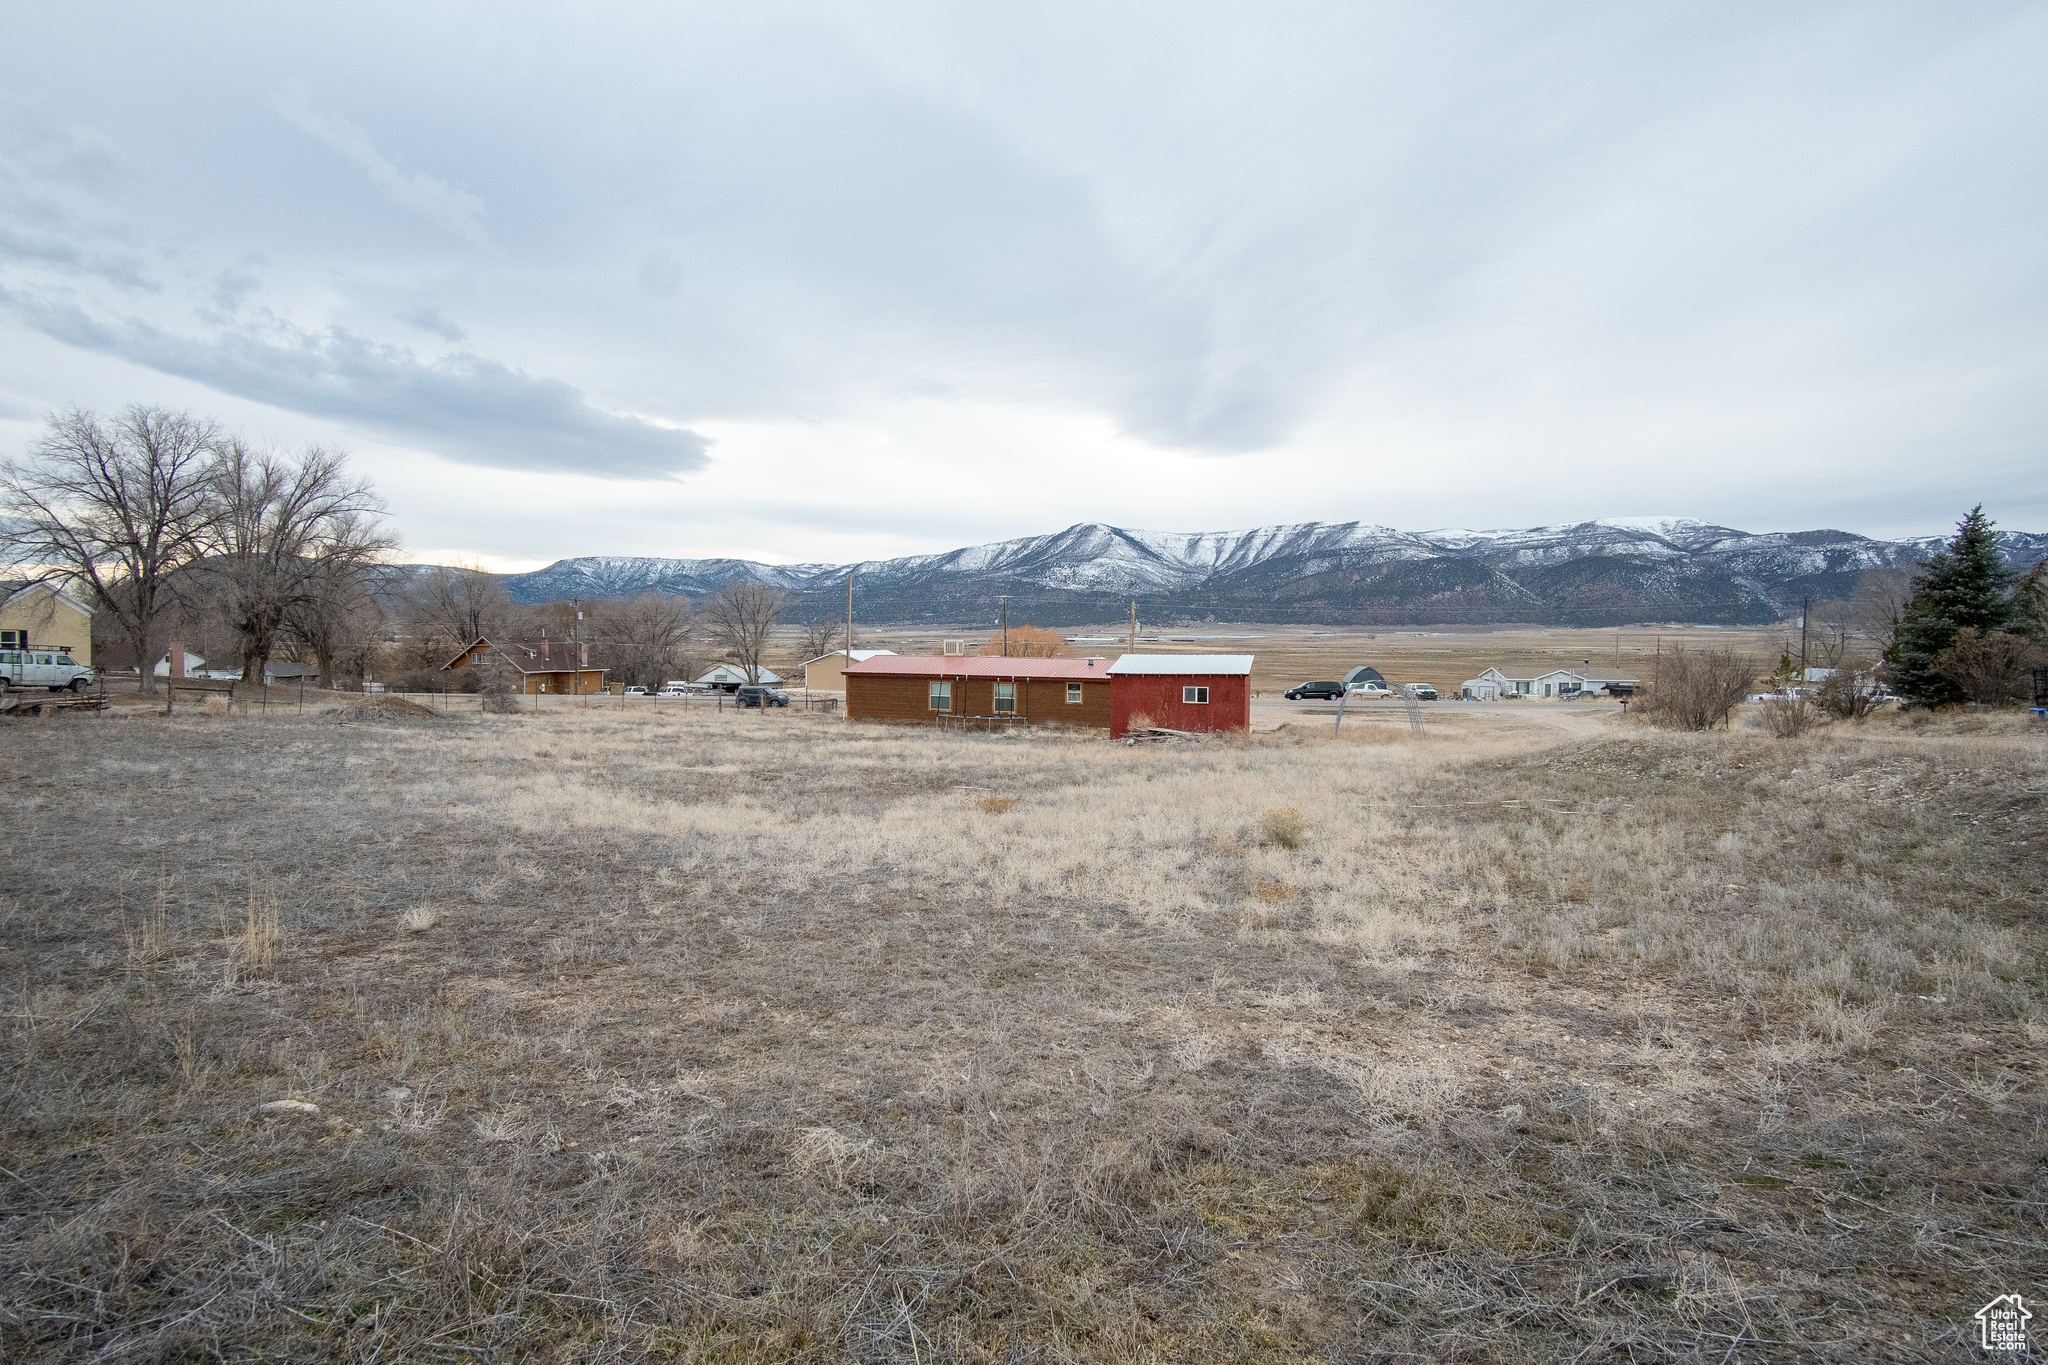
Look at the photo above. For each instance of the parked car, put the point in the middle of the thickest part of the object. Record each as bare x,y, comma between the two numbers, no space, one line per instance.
760,696
1315,691
1368,689
635,692
673,690
42,668
1420,691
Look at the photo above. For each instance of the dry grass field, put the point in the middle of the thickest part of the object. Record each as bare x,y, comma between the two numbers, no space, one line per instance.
617,1034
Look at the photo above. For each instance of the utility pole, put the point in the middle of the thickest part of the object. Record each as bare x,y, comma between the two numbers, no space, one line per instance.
1134,625
849,620
1805,606
1005,622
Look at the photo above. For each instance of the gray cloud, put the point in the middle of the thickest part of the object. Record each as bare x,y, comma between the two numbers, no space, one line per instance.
430,319
233,285
128,270
465,406
1756,265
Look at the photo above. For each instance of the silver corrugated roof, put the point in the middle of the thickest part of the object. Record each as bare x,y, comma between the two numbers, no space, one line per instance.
1182,663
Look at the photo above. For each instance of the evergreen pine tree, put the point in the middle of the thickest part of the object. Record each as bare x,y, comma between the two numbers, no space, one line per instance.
1965,585
2030,604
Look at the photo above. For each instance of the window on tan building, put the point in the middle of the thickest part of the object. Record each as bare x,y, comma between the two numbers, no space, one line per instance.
942,696
1073,694
1006,698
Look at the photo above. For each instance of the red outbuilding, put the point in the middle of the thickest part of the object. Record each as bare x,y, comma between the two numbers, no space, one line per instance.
1181,691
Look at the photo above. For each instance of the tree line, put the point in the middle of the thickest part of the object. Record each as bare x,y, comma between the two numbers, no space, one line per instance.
642,641
1962,627
170,528
151,515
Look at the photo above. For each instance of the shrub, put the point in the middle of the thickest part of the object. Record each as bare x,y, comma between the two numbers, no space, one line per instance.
1848,695
1695,689
497,696
1790,717
1990,669
1283,825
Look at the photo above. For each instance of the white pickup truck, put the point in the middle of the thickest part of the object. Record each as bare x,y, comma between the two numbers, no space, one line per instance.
42,668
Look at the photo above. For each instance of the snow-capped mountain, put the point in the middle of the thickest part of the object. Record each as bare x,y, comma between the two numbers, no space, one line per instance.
1605,572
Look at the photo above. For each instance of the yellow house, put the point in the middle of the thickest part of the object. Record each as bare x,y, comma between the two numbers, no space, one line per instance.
41,616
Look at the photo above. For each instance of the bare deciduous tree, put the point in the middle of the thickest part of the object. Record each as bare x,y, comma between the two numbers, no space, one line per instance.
1831,634
647,638
287,528
337,620
1878,605
1029,642
460,602
740,616
821,638
113,509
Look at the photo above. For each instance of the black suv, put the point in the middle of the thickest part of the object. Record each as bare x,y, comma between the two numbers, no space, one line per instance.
760,696
1315,691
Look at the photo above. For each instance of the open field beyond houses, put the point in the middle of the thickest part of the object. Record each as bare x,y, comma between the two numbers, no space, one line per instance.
765,1037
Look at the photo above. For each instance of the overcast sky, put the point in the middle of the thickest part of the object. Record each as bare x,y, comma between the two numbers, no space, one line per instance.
826,283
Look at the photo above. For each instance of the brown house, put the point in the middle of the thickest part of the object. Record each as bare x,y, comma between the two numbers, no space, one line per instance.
928,688
533,667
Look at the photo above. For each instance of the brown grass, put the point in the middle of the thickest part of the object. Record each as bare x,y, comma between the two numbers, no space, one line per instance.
745,1037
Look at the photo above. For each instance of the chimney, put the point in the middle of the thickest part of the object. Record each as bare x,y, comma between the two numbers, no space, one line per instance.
545,657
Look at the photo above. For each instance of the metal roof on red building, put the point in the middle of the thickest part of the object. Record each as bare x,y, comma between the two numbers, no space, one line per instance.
977,666
1181,665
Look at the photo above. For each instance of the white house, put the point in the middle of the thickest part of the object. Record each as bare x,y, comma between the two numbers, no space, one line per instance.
1493,684
731,675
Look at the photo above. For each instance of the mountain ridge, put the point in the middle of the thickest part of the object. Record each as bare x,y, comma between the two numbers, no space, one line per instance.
1609,571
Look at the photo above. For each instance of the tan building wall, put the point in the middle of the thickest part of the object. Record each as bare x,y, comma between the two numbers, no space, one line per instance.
588,683
52,621
823,674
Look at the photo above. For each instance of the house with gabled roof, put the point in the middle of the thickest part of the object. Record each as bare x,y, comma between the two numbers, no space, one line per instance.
45,616
532,668
1494,684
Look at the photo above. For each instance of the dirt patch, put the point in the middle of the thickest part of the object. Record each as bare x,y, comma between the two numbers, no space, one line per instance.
353,709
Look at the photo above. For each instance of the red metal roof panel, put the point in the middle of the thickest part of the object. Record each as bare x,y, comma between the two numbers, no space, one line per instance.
979,666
